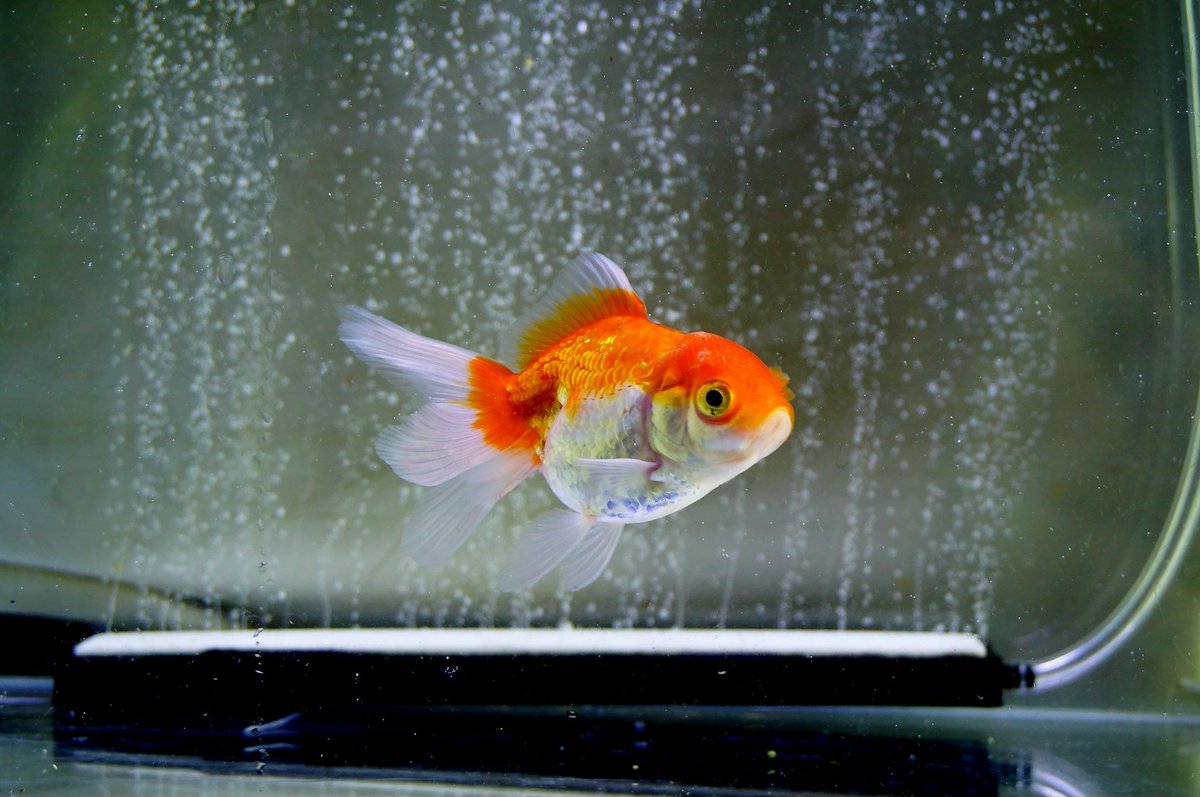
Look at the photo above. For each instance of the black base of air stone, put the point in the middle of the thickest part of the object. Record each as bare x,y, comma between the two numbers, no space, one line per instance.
272,684
542,715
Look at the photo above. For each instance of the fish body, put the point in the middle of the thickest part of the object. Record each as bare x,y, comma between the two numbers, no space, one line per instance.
626,419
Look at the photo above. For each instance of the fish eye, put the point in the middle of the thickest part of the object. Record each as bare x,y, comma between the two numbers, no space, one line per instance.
713,399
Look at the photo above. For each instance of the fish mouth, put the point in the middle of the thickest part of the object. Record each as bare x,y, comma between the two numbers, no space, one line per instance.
774,430
761,441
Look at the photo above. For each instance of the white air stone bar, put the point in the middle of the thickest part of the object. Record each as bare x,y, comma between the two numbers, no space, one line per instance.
544,642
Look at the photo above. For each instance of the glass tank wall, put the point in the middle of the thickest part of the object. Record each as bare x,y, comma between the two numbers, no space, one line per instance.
965,232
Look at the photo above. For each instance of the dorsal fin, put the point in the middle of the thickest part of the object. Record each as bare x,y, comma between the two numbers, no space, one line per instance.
592,288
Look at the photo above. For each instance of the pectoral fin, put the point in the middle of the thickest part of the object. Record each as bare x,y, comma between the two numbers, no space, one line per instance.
616,476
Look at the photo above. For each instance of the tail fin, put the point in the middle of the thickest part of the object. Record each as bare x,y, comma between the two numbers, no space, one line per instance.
468,443
438,371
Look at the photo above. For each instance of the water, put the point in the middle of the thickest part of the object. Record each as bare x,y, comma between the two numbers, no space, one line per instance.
948,225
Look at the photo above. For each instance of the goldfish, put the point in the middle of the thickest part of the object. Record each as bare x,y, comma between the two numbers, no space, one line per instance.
626,419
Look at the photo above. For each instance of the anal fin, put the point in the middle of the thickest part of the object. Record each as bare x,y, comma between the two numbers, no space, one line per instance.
539,550
447,514
587,560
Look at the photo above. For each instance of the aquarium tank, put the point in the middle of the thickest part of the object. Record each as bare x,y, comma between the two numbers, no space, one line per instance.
965,231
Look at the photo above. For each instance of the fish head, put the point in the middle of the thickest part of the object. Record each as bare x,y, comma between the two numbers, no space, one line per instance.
717,408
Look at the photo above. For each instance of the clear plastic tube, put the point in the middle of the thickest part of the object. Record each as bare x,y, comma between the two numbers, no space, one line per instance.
1184,516
1141,600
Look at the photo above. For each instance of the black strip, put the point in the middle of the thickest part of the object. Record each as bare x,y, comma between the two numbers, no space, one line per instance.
39,645
248,685
443,716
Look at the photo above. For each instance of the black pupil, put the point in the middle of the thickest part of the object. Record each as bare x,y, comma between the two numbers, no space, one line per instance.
714,398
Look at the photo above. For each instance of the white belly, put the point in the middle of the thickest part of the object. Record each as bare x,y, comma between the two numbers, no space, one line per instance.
577,451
